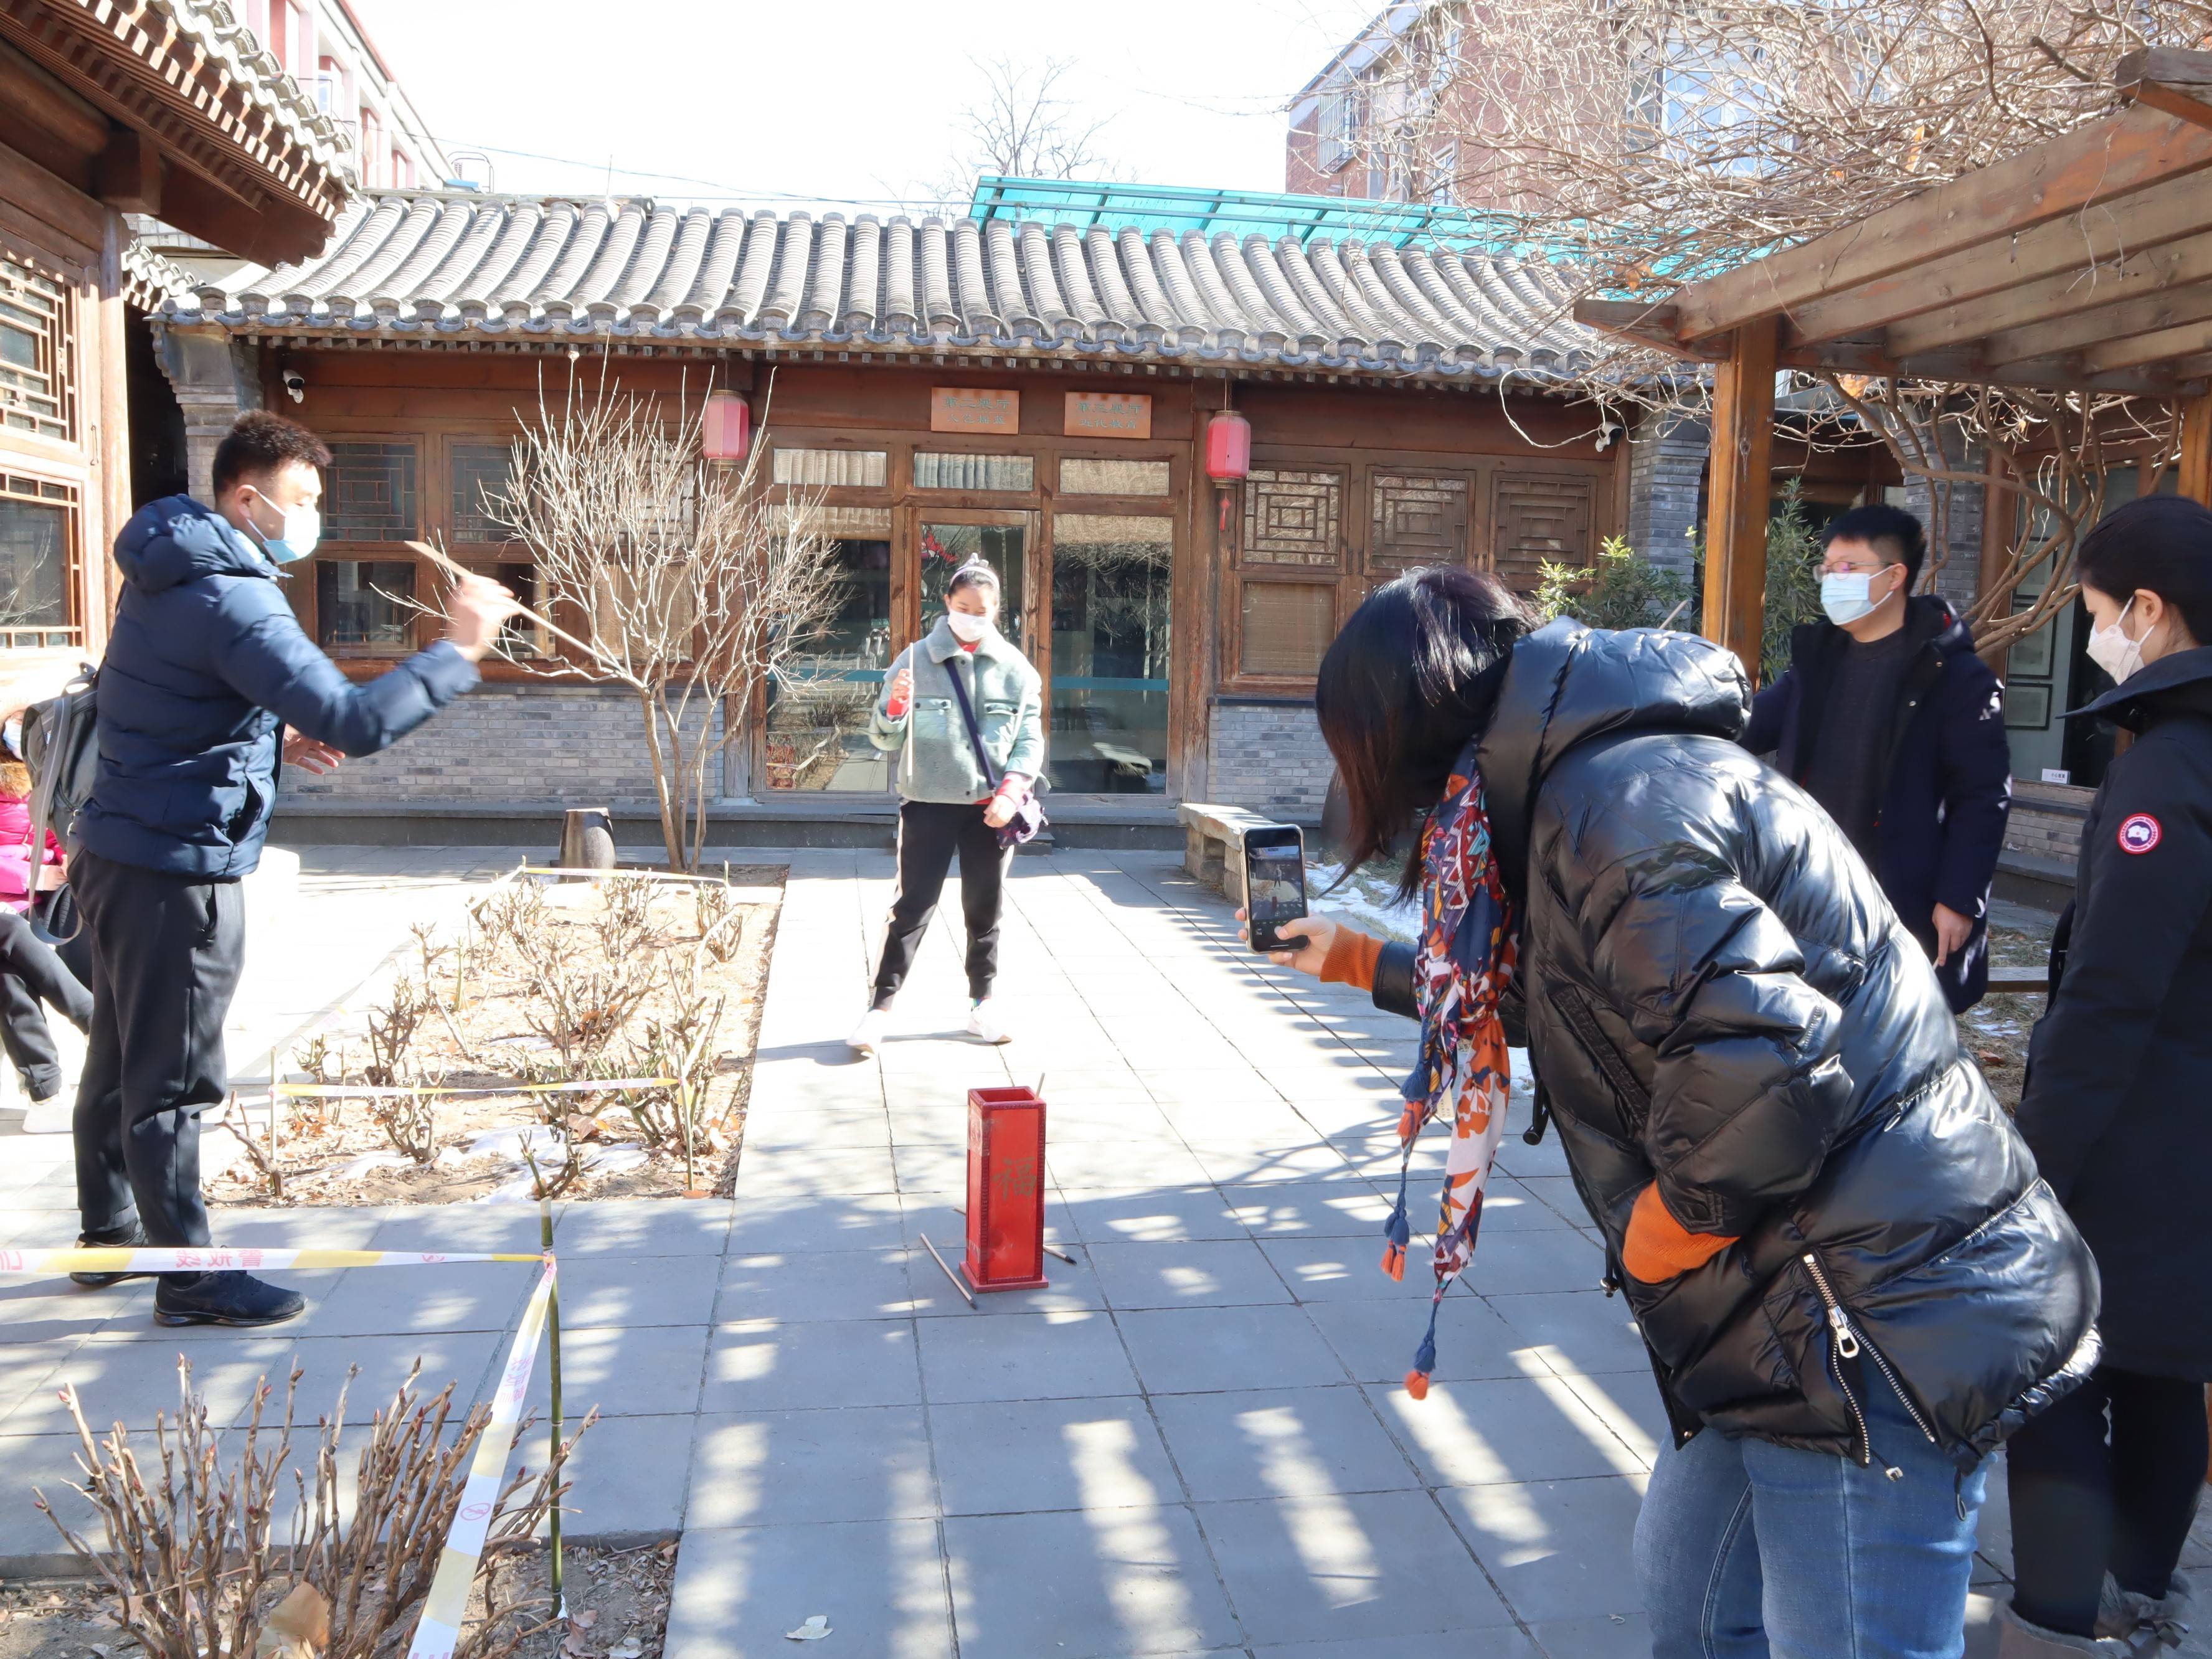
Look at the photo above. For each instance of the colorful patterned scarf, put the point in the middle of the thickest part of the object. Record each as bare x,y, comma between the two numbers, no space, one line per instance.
1462,965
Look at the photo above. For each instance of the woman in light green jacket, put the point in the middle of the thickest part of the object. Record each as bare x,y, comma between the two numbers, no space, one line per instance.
947,802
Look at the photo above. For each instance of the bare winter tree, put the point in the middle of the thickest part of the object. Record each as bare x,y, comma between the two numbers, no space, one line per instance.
683,583
1024,126
1644,143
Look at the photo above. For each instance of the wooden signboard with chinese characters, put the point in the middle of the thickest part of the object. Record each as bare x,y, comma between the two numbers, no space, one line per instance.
974,409
1108,415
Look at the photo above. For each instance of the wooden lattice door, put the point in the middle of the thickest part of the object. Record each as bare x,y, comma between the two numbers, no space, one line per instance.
1537,517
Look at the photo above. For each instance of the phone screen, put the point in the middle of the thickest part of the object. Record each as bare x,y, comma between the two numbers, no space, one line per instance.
1275,886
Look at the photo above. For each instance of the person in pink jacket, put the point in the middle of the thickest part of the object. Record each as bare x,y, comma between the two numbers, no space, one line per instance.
33,976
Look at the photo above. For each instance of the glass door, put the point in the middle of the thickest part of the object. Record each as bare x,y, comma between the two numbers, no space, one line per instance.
1112,576
1005,541
819,707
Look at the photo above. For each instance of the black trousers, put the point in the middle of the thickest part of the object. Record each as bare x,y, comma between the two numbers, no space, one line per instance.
930,833
165,952
2089,1498
33,974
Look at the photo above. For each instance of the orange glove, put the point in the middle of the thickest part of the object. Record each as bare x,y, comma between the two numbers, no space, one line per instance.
1659,1248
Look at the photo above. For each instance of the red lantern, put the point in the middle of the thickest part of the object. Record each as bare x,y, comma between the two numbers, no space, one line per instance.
726,432
1228,447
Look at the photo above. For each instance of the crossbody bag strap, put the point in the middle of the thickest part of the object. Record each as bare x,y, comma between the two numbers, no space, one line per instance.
975,733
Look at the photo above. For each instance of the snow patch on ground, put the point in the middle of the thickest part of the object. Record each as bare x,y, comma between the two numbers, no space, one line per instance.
1368,900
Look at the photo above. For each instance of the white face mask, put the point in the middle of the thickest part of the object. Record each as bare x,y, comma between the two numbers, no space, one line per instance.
968,628
1845,596
303,528
2111,650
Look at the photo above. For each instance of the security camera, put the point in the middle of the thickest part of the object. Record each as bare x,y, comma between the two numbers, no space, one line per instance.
1606,432
296,386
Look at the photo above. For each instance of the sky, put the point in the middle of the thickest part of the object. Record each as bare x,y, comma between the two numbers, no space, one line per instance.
842,103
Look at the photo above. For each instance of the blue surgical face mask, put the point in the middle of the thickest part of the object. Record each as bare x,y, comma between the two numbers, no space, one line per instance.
303,528
1845,595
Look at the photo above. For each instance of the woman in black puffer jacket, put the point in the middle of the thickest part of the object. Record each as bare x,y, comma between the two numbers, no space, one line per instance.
1838,1250
2114,1107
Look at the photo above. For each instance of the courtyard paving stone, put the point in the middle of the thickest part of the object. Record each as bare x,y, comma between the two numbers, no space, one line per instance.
1197,1441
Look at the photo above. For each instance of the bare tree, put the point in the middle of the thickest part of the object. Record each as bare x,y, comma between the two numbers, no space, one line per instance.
1639,145
685,583
1024,126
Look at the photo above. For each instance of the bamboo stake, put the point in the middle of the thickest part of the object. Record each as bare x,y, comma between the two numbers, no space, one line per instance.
275,1169
552,1373
561,634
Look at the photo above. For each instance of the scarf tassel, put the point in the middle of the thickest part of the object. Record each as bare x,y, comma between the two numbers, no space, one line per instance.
1424,1360
1398,1230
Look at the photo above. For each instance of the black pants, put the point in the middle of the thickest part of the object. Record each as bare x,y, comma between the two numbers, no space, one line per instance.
166,951
930,832
32,973
2087,1500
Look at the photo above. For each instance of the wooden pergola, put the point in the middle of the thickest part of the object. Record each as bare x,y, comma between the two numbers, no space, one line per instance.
2083,264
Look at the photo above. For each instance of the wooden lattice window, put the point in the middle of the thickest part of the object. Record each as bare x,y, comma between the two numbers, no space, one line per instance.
1541,517
1294,518
38,393
1286,628
1416,520
480,475
370,493
40,530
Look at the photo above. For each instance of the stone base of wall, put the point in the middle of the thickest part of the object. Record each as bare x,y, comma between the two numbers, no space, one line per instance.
1268,757
509,743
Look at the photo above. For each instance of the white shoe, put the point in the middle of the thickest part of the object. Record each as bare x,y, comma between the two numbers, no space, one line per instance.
869,1033
983,1022
54,1116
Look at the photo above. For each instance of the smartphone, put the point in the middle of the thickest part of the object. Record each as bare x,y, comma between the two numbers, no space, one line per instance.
1274,883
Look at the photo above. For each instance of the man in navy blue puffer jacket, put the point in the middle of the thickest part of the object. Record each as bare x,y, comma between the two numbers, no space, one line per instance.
208,676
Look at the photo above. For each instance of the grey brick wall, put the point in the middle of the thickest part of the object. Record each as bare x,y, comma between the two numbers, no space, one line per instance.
1666,464
508,743
1268,757
2045,834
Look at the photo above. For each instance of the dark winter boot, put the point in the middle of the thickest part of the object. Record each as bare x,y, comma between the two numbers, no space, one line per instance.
131,1238
223,1299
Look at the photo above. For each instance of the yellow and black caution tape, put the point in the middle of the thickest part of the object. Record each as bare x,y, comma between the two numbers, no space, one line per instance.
438,1633
404,1091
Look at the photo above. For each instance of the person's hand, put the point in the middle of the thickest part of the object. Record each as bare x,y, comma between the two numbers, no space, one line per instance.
302,750
1952,932
999,814
53,878
902,687
1318,932
476,610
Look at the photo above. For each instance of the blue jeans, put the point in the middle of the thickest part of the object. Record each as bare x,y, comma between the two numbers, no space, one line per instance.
1747,1549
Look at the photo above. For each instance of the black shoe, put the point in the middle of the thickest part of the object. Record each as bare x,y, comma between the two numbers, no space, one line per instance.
223,1299
135,1240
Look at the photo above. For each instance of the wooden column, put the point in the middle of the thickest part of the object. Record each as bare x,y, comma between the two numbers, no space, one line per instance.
2196,479
1737,493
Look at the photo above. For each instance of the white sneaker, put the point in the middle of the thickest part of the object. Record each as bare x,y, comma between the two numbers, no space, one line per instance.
983,1022
869,1033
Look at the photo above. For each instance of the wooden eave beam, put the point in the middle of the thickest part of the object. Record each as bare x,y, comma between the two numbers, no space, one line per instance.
1647,322
2141,275
2118,229
1738,485
2169,79
2162,346
2106,162
2113,321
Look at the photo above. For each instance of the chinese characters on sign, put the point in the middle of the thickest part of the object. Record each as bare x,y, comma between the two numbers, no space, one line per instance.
1108,415
970,409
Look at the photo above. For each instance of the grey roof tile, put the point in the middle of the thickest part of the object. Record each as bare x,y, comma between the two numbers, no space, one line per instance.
403,262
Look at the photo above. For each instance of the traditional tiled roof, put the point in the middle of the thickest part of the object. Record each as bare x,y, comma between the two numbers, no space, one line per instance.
191,72
151,277
454,266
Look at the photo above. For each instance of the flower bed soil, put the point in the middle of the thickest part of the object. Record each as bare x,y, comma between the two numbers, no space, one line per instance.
337,1152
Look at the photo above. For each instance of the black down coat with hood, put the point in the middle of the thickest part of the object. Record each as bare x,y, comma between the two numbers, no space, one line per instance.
1720,998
